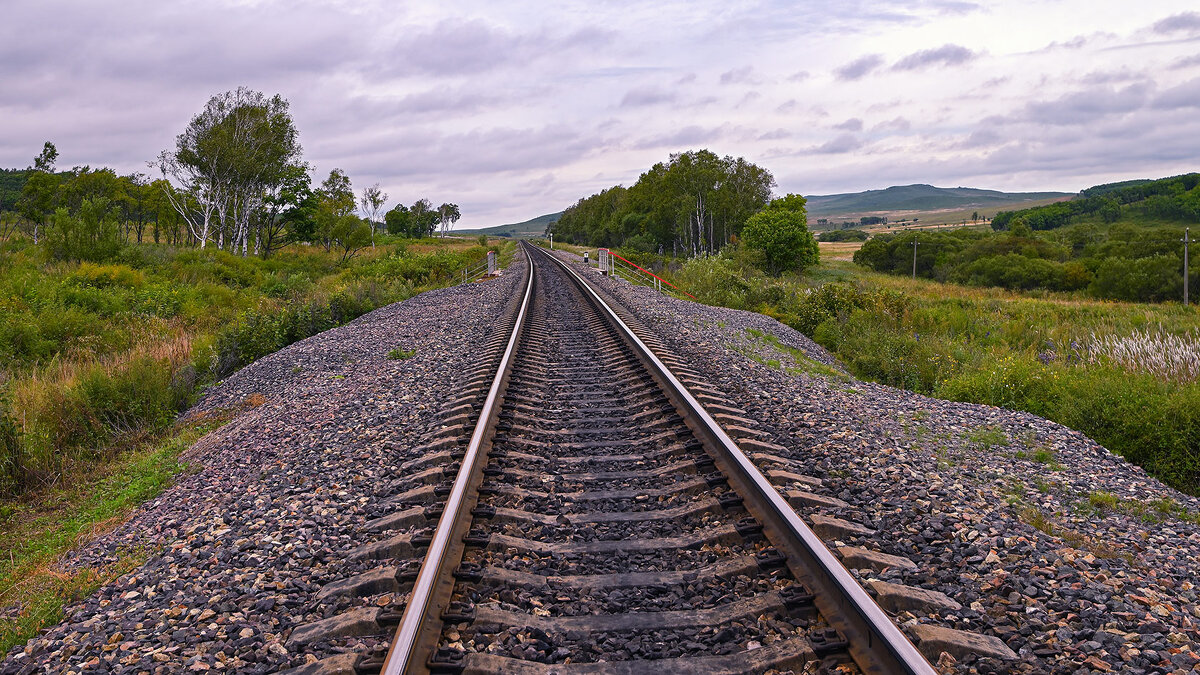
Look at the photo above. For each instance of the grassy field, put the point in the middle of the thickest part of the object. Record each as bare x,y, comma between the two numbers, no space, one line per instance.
1117,371
936,217
838,250
97,360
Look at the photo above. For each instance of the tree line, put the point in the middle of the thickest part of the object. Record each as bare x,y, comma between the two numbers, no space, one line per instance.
1175,198
693,204
235,179
1119,262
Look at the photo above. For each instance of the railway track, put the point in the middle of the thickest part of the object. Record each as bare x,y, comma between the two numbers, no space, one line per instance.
601,521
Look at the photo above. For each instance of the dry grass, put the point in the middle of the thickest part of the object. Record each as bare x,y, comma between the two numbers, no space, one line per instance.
1171,357
838,250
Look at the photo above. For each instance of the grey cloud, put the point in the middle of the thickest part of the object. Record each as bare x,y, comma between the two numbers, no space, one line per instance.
646,96
799,76
1112,76
841,144
1186,62
472,46
896,124
946,55
858,68
852,124
776,135
787,106
689,135
1084,106
1187,22
744,75
1186,95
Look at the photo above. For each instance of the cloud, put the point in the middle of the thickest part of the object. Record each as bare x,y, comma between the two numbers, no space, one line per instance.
744,75
641,97
858,68
1185,62
852,124
799,76
946,55
841,144
1186,95
1084,106
1187,22
687,136
896,124
1111,76
455,47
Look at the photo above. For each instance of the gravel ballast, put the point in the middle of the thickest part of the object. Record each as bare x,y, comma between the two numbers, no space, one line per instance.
237,551
1066,552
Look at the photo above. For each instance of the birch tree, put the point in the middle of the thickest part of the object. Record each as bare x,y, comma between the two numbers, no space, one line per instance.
372,203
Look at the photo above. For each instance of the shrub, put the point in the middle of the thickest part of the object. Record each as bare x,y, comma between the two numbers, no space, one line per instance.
783,237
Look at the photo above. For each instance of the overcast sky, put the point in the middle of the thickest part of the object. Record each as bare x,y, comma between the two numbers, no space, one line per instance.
516,109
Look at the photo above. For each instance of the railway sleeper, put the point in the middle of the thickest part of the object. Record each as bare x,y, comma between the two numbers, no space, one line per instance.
781,655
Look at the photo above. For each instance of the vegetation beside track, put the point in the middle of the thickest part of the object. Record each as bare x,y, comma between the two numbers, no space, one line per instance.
99,359
1096,366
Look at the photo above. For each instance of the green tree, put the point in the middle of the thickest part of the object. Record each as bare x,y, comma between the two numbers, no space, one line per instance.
40,191
399,221
780,232
335,201
349,235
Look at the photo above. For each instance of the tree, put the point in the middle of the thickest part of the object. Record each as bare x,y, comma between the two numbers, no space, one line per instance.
335,200
350,235
975,217
399,221
372,202
287,211
40,190
780,232
424,217
228,159
447,214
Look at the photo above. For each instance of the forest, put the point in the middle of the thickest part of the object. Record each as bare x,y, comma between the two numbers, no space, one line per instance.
695,203
1115,242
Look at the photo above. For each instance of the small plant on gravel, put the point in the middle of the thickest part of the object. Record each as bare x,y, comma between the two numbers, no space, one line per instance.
988,437
1035,518
1042,485
400,353
1104,501
1043,456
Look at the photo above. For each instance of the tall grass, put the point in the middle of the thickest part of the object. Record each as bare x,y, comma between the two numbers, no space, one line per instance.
1170,357
1123,373
95,356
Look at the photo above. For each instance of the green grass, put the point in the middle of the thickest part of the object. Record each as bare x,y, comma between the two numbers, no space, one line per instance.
1022,351
399,354
34,533
988,437
95,355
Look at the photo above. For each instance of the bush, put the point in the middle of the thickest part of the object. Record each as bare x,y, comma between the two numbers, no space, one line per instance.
782,235
1013,382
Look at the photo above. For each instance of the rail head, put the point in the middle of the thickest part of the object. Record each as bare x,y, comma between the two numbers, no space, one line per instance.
403,655
867,620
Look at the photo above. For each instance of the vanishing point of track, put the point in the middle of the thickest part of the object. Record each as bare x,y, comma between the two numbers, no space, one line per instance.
601,521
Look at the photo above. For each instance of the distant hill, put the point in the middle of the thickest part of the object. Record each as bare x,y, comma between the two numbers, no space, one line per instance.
534,227
920,198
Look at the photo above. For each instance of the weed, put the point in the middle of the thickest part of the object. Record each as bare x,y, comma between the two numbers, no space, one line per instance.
988,437
399,354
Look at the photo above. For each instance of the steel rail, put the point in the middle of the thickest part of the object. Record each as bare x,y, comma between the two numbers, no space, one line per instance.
402,656
854,613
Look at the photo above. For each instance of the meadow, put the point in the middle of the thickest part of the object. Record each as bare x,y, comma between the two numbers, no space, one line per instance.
98,360
1123,373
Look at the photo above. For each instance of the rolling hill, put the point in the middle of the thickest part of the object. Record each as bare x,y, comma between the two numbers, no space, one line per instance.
918,198
534,227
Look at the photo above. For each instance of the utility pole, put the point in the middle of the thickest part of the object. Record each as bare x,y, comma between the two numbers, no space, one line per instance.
551,241
915,244
1186,240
